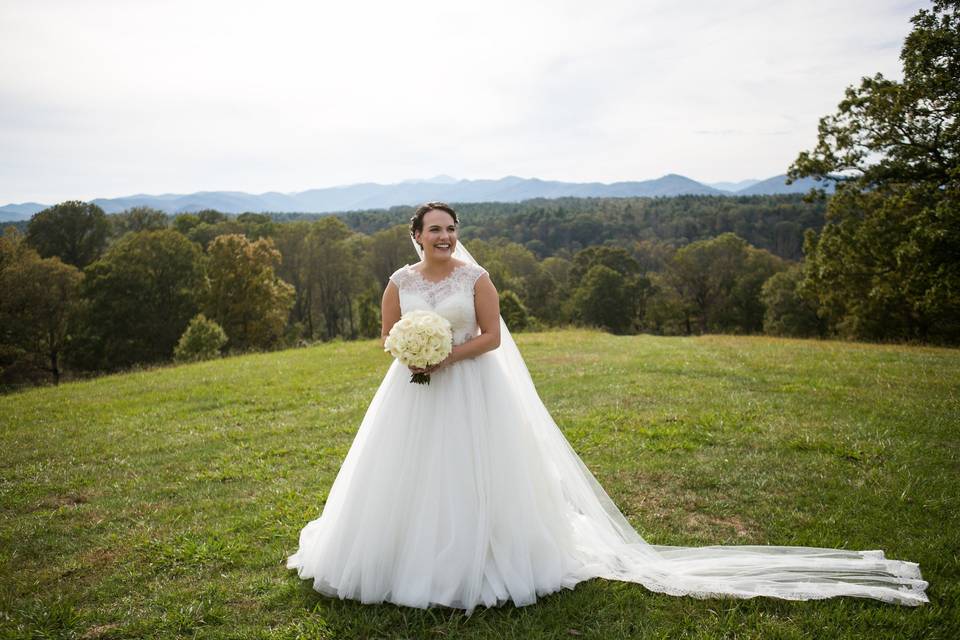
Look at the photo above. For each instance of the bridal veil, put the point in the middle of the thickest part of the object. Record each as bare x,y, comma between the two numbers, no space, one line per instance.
741,571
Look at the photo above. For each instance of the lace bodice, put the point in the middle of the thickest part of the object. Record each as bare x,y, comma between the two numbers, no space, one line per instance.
451,297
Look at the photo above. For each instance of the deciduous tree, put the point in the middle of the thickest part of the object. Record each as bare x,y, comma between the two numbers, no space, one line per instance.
74,231
37,299
885,264
246,297
137,300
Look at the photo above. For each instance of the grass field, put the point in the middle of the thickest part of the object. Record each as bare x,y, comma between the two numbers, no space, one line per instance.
163,502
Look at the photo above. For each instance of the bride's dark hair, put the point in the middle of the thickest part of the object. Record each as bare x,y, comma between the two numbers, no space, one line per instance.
416,222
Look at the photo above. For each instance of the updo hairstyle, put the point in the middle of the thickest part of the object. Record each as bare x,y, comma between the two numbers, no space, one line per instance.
416,222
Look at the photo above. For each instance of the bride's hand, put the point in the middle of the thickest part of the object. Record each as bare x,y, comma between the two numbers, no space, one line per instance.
422,369
434,368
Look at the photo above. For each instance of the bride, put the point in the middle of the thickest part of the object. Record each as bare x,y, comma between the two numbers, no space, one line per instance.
464,492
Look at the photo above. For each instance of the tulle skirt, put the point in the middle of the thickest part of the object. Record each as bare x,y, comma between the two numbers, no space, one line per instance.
457,494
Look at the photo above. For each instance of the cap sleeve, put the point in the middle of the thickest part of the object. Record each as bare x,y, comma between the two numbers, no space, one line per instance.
475,274
400,276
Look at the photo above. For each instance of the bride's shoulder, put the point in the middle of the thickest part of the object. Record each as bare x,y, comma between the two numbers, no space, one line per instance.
401,275
472,272
474,269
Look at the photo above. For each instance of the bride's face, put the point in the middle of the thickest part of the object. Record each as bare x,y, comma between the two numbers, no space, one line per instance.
439,235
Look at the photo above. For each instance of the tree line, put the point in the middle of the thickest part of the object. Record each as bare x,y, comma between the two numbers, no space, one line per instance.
93,293
563,226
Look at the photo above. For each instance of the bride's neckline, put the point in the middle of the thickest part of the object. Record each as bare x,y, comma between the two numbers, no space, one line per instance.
444,278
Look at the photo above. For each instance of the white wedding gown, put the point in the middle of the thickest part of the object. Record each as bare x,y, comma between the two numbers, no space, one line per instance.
464,492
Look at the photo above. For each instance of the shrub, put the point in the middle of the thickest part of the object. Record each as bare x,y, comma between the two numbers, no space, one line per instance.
202,340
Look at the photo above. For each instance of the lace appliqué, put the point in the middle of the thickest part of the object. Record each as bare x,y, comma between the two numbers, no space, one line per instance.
461,280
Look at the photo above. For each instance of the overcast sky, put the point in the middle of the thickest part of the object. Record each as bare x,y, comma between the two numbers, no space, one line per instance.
110,98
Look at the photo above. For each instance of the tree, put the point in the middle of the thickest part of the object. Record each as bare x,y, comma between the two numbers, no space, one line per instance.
74,231
138,219
203,226
38,297
607,299
212,216
390,249
358,286
744,310
513,267
552,302
513,312
290,240
335,273
651,255
559,270
256,225
719,282
368,312
665,312
704,274
541,295
616,258
137,300
507,263
885,263
787,312
246,297
185,223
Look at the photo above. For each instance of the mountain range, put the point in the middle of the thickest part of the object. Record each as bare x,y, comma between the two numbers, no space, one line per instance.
370,195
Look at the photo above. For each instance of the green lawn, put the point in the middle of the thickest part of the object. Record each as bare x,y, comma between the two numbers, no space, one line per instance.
164,502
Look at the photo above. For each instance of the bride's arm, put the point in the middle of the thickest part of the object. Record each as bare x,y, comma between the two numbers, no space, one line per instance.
389,310
486,301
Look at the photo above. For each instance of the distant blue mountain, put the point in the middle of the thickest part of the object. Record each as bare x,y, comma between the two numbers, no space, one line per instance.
370,195
778,184
20,211
732,187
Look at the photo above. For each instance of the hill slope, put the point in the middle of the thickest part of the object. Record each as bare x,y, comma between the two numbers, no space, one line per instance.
163,502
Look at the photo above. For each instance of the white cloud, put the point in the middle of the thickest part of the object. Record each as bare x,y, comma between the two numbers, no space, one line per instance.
103,99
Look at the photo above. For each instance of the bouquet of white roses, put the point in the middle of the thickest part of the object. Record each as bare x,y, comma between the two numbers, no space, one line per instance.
420,339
